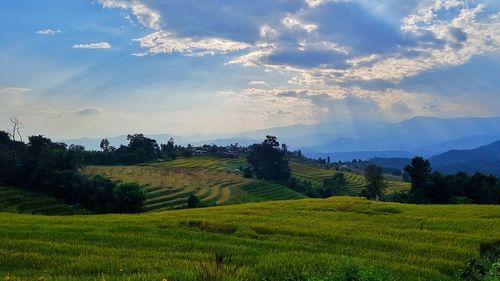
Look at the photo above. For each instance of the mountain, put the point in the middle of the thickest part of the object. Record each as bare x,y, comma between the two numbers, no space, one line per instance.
456,144
484,159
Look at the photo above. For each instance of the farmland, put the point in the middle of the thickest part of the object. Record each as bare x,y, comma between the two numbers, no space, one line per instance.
214,180
16,200
281,240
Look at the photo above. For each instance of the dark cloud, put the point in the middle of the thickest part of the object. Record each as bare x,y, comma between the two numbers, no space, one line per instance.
89,111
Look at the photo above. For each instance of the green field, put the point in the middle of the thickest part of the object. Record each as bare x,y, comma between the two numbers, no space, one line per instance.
280,240
16,200
355,182
215,182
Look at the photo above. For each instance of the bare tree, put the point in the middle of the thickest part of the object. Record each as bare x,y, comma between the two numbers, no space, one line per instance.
16,126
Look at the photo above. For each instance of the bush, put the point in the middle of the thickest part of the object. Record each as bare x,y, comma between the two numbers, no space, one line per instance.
129,198
486,267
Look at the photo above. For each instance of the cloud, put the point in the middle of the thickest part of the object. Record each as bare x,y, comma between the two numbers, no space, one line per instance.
257,82
144,14
101,45
165,42
13,91
48,31
89,111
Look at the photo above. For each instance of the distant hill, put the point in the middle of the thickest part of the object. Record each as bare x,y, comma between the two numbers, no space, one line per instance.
484,159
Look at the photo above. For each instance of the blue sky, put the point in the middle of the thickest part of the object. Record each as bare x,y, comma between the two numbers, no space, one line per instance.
109,67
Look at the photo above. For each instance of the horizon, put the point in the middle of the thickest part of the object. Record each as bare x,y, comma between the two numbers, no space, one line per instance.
221,68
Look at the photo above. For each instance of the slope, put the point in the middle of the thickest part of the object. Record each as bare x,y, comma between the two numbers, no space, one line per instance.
281,240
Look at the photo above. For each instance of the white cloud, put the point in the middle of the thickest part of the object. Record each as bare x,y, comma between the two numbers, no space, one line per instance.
166,42
48,31
144,14
257,82
292,22
101,45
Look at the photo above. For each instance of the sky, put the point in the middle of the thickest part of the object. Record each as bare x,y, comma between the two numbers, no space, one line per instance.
96,68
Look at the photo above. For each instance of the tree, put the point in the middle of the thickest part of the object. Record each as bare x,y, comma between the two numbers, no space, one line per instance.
374,178
169,149
268,161
419,171
193,201
129,198
336,185
104,145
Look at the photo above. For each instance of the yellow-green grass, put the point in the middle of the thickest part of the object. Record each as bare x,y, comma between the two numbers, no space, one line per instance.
16,200
280,240
169,184
355,182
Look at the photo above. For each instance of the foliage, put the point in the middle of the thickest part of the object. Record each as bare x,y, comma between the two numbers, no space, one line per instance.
129,198
374,178
50,168
486,267
336,185
434,187
268,161
193,201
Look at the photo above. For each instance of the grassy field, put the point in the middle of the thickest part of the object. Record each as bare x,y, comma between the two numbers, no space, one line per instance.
215,182
316,174
16,200
304,239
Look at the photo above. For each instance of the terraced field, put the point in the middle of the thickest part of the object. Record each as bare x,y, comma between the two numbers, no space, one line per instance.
355,182
214,181
16,200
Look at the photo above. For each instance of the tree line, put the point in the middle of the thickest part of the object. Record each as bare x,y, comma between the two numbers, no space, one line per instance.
47,167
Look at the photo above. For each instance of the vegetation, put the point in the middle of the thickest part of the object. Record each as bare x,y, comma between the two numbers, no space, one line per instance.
303,240
15,200
375,184
434,187
268,161
45,167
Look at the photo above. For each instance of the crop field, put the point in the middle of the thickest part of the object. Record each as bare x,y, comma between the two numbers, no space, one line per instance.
16,200
215,181
305,239
355,182
168,184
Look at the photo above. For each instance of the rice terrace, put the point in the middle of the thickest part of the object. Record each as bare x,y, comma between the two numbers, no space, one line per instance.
236,140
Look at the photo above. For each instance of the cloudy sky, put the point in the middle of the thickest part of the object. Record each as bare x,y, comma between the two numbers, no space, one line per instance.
108,67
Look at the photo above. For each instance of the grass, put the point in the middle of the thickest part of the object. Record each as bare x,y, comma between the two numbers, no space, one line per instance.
280,240
355,182
16,200
215,182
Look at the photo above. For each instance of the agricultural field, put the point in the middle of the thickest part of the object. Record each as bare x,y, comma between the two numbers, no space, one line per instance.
15,200
216,181
302,240
316,174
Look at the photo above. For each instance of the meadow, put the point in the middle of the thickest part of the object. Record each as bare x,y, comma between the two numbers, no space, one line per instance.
306,239
215,181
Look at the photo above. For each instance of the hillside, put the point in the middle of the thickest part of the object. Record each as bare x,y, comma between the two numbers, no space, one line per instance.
215,182
484,159
268,241
15,200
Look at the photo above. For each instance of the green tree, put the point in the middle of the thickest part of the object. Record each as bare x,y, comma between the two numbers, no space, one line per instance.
419,171
374,178
193,201
129,198
336,185
268,161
